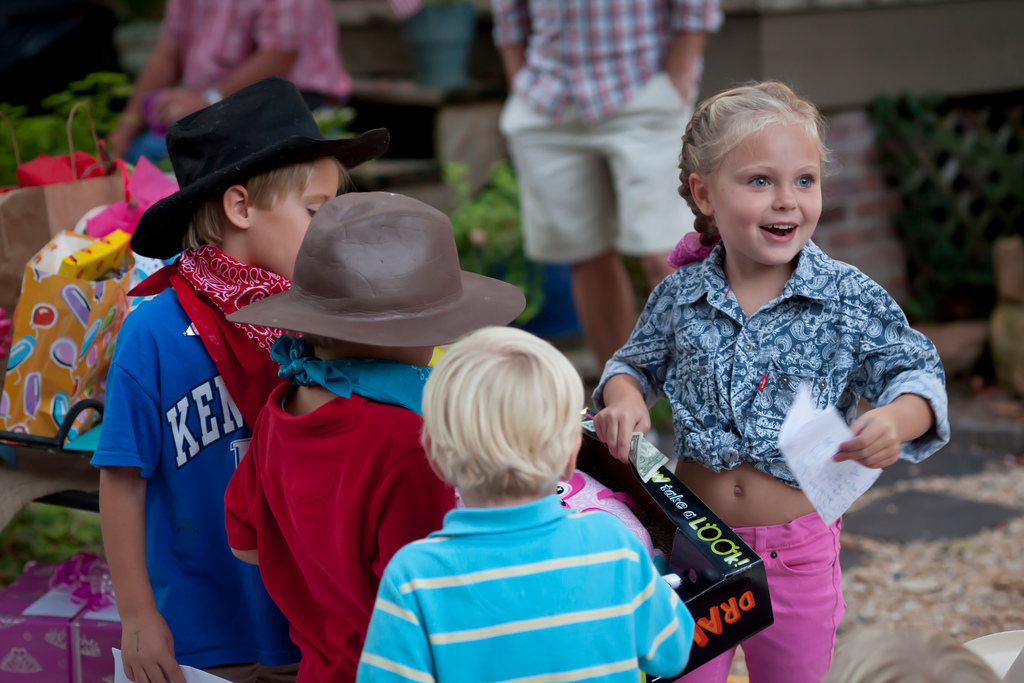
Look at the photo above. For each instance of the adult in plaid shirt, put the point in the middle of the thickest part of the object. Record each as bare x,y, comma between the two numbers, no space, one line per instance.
601,94
208,49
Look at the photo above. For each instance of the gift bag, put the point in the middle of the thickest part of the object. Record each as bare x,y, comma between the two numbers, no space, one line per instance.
64,334
30,216
146,186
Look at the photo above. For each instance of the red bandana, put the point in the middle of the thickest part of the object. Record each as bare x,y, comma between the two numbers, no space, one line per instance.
231,285
210,286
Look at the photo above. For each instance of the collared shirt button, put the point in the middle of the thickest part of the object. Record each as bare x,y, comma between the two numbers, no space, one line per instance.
822,385
698,372
739,418
784,379
747,347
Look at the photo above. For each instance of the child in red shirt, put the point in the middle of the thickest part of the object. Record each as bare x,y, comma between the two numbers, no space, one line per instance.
335,480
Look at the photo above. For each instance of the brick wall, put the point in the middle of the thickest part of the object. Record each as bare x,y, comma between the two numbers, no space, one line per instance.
856,224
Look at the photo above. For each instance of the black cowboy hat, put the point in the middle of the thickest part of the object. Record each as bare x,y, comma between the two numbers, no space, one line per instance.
259,128
382,269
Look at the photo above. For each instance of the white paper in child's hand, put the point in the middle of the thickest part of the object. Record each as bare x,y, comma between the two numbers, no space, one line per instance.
191,675
808,439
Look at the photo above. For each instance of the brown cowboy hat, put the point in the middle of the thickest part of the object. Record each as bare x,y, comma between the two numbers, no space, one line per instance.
382,269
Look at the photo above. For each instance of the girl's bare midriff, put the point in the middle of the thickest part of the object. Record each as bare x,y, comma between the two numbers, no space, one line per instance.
745,496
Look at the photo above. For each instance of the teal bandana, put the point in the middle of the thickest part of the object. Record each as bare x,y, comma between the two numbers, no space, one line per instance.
384,381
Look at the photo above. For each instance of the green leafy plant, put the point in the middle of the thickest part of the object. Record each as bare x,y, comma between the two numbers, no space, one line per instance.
130,10
105,94
661,415
334,121
960,170
46,533
488,234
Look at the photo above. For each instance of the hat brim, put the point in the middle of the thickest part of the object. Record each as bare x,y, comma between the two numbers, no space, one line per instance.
999,650
161,229
484,302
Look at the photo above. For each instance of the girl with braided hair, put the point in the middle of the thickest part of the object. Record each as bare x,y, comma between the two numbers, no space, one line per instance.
754,311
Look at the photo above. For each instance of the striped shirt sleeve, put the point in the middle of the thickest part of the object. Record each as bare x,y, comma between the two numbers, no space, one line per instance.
664,627
696,16
396,648
511,22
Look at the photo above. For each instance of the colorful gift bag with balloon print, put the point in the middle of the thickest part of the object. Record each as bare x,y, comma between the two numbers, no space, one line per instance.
64,334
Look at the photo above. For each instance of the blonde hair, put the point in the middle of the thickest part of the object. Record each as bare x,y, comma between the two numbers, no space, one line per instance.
723,122
265,190
892,653
502,410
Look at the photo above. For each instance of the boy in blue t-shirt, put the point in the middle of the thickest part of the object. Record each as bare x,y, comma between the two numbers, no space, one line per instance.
185,385
516,587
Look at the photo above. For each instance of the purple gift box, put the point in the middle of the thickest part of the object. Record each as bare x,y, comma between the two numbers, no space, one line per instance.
91,639
58,641
34,648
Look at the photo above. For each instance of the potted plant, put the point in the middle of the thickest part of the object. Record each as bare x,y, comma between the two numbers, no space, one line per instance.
489,238
1007,320
440,35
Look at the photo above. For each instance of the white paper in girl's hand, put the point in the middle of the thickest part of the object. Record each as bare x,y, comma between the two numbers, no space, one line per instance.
808,439
191,675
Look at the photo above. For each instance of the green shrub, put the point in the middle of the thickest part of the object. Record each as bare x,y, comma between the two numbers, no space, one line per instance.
106,94
960,170
47,133
46,533
488,234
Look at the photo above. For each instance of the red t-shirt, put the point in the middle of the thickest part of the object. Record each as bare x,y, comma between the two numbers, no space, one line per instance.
326,499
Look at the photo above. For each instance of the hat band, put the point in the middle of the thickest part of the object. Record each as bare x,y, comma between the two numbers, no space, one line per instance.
320,304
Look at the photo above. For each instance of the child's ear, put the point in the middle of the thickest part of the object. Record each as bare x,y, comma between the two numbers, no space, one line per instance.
701,196
570,467
236,206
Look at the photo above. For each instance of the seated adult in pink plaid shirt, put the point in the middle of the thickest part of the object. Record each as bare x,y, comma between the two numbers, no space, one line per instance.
208,49
601,94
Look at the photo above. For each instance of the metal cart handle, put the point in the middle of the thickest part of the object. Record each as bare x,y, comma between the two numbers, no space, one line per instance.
56,441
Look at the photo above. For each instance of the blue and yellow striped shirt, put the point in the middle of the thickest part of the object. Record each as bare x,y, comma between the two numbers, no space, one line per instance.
526,594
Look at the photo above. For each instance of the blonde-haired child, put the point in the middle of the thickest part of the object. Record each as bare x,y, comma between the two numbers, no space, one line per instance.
898,653
731,336
516,586
538,391
186,386
377,285
212,225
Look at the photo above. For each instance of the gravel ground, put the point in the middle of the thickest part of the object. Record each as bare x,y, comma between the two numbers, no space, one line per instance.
967,587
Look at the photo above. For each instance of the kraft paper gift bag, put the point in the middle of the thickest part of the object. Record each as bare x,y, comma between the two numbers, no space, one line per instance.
30,216
64,334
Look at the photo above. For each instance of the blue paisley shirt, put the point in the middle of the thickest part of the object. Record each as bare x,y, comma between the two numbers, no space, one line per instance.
731,379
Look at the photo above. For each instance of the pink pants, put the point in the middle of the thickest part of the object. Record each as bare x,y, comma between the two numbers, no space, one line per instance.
802,562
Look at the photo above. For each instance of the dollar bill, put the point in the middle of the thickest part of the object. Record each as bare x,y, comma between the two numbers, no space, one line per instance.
645,458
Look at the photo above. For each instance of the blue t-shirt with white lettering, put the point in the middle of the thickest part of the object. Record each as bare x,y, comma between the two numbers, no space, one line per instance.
169,414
